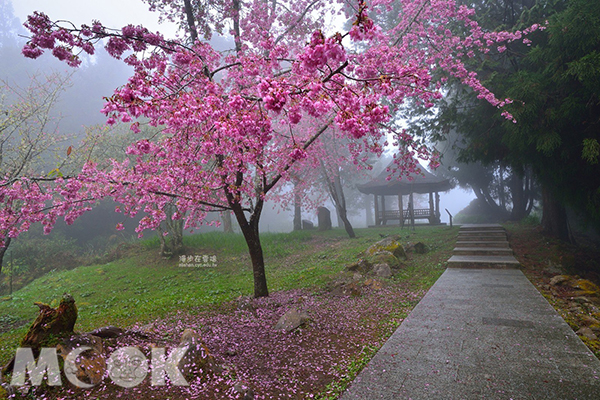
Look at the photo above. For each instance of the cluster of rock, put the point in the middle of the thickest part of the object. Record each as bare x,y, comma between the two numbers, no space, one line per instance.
382,259
583,303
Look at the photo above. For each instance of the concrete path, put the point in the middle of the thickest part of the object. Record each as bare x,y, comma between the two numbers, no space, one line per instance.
481,334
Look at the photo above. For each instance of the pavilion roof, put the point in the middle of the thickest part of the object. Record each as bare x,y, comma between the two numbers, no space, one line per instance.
424,182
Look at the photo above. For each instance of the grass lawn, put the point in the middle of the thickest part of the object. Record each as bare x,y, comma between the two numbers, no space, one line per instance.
142,288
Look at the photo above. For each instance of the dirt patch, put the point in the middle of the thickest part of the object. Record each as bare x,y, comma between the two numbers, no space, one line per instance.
8,323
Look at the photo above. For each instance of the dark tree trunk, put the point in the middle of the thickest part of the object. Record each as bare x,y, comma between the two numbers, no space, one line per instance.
347,224
519,198
189,13
486,199
554,217
250,231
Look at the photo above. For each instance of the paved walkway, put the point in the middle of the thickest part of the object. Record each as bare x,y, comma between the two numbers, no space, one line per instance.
481,334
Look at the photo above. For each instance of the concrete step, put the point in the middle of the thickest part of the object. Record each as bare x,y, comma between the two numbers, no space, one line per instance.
483,233
482,243
482,251
483,262
480,238
480,227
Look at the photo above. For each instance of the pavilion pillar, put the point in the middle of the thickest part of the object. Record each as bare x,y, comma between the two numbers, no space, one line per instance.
383,210
437,207
401,211
377,220
431,210
368,211
411,206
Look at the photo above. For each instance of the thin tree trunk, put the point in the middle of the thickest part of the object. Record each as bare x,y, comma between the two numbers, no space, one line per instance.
3,251
347,224
554,217
171,243
189,13
297,213
339,200
502,192
340,191
236,26
176,227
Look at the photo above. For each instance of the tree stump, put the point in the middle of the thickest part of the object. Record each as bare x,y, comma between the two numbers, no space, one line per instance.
49,327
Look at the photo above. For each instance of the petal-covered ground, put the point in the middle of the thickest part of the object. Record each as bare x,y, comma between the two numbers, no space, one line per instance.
273,363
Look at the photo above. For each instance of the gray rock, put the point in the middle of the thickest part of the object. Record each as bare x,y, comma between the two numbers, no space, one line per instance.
197,359
324,218
382,270
420,248
589,320
559,280
244,391
588,333
107,332
291,320
388,244
307,225
361,266
342,288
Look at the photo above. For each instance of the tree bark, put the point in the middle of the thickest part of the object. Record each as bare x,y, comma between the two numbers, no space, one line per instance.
336,192
554,217
519,198
172,243
251,234
297,213
191,21
50,325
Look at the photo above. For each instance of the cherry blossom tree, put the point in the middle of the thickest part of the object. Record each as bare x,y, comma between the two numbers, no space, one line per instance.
237,123
28,140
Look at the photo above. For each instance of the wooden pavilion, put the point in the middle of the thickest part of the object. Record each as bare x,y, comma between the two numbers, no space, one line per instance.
422,183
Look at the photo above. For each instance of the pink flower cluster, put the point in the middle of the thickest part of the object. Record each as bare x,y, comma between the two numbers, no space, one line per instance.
64,41
322,51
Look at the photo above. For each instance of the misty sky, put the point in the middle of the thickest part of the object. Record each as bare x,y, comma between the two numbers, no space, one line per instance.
112,13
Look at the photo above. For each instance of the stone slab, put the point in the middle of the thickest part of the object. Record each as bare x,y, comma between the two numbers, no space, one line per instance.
489,251
483,262
481,334
478,243
481,238
476,227
486,233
